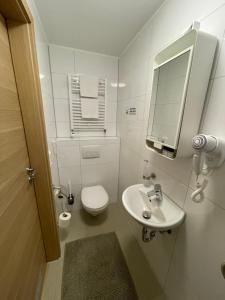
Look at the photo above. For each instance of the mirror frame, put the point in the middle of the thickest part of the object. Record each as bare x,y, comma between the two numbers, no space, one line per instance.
183,98
202,48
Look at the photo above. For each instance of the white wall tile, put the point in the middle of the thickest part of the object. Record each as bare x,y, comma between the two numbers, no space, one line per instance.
99,141
48,107
111,90
45,78
62,110
60,86
68,154
95,174
62,59
96,64
63,129
132,135
214,121
180,168
51,129
43,57
220,71
72,173
110,129
46,85
129,164
110,115
198,254
215,24
55,175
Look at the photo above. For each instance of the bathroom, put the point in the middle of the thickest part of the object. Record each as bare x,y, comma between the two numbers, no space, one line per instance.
98,70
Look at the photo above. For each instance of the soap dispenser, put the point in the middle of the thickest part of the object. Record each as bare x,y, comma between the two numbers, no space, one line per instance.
147,175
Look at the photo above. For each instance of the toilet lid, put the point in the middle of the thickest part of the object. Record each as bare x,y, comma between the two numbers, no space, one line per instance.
94,197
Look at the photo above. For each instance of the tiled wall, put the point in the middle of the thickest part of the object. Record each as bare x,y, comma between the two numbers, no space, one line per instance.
46,87
68,60
66,152
186,263
44,72
86,172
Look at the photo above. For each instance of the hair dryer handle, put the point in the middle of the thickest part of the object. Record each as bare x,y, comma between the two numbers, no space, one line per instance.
197,163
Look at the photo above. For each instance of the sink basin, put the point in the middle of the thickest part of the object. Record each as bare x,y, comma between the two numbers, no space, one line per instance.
166,216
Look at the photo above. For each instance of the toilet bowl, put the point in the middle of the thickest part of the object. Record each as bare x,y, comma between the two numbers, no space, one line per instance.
94,199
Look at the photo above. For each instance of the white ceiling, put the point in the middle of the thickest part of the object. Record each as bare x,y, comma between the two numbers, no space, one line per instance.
95,25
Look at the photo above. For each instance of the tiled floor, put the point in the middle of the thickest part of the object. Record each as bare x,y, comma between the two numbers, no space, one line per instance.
83,225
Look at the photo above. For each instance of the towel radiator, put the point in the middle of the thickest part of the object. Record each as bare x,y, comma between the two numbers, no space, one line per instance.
78,125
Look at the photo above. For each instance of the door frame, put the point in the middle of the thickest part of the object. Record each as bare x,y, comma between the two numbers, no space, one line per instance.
22,43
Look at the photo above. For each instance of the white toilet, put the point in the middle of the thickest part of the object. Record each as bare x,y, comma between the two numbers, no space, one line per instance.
94,199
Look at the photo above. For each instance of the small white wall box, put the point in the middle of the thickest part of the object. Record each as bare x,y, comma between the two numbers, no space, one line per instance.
181,76
91,151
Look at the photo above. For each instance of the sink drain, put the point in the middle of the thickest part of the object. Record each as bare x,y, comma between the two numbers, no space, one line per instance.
146,214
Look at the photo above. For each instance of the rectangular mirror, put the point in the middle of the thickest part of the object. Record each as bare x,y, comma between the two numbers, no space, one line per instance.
169,98
175,93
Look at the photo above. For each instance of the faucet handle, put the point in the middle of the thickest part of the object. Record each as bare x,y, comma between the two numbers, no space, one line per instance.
158,192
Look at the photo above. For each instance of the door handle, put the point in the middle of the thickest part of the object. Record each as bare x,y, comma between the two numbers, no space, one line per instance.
31,174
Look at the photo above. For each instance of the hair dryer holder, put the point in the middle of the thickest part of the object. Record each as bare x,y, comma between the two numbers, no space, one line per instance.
209,154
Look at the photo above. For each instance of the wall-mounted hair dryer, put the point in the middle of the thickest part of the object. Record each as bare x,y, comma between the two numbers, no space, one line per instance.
209,154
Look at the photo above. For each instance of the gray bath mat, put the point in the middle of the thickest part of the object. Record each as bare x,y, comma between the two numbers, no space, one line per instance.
95,269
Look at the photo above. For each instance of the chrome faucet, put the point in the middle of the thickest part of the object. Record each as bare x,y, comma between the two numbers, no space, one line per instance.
158,192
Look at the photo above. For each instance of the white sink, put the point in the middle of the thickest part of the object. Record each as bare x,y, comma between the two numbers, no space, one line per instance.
163,217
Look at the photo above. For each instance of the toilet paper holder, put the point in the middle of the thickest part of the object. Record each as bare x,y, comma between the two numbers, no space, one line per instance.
59,193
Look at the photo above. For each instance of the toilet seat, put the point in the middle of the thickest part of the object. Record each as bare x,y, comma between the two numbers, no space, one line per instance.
94,198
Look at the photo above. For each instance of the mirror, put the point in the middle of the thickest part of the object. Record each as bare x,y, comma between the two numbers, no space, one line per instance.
168,100
179,86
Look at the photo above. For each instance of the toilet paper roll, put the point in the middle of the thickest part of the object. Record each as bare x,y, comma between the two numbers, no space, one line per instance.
64,219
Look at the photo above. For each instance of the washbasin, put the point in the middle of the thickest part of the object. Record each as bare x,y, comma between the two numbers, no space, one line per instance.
165,216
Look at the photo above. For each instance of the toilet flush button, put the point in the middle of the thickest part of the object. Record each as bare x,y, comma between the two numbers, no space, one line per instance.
91,151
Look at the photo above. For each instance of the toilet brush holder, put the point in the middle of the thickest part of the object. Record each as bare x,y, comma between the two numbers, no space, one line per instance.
70,199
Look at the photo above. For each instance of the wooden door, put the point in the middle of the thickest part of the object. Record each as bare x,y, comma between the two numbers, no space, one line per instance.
22,255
